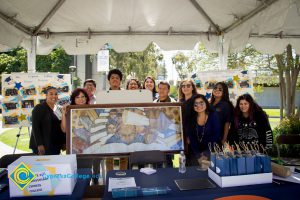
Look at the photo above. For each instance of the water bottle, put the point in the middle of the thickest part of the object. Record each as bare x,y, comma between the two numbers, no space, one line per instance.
182,168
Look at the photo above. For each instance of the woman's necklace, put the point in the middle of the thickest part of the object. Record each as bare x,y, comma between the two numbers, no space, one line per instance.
203,130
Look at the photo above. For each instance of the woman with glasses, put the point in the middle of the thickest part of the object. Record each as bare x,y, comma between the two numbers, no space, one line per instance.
133,84
203,128
187,89
221,104
251,124
79,96
149,83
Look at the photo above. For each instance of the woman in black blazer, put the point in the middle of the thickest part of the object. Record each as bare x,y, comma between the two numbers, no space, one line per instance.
47,137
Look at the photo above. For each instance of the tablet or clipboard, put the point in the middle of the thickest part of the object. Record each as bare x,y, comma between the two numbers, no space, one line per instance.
194,184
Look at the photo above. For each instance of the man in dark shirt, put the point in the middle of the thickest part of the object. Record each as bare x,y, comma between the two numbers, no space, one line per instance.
163,93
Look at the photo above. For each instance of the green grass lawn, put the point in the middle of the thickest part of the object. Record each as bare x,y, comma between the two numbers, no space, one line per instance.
9,138
273,112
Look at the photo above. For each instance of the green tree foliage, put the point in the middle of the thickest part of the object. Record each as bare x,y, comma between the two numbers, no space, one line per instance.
162,72
56,61
182,65
252,59
204,60
137,64
15,60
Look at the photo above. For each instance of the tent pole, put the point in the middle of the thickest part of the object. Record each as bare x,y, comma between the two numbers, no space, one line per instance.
31,55
223,53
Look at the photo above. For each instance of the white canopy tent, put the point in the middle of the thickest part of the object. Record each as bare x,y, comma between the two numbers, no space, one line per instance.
84,26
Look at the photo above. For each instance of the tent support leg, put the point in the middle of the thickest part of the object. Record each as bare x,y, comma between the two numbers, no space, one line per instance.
31,55
223,53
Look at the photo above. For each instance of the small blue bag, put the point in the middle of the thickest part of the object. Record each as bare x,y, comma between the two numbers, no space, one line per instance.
241,165
265,163
257,164
233,166
222,166
212,165
249,164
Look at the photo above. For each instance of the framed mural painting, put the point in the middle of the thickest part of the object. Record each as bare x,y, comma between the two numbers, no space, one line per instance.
123,128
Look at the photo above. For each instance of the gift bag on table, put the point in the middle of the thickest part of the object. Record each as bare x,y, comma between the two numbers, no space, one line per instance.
249,163
222,165
241,165
233,166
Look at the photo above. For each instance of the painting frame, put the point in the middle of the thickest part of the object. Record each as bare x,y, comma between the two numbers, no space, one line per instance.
82,141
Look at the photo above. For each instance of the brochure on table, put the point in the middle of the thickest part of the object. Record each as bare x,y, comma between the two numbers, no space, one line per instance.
124,182
42,175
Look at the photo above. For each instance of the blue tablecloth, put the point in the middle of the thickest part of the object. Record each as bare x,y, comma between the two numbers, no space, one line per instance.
78,191
166,177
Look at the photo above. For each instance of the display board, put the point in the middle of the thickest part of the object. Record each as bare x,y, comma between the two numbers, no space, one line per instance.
123,128
238,82
22,91
124,96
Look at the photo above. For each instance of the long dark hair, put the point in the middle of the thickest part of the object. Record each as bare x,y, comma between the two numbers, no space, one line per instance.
225,95
254,108
194,114
76,92
152,79
180,93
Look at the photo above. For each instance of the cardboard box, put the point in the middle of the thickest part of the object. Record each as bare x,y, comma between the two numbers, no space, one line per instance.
231,181
42,175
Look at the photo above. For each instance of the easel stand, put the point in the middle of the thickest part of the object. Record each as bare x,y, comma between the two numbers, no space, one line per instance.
18,136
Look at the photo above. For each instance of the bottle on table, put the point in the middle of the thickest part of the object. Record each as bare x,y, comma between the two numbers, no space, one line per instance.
182,168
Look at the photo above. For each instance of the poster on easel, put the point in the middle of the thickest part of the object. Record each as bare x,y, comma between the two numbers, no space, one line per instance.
238,82
22,91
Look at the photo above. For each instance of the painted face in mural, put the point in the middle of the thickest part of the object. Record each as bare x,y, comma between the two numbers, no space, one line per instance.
127,133
244,106
111,129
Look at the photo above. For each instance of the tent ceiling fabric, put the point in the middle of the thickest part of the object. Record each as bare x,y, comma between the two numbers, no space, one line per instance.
84,26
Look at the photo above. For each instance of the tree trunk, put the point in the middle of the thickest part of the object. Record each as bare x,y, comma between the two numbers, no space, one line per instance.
281,84
288,78
281,101
288,75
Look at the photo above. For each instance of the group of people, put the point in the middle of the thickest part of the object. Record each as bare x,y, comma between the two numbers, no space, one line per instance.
204,122
218,121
